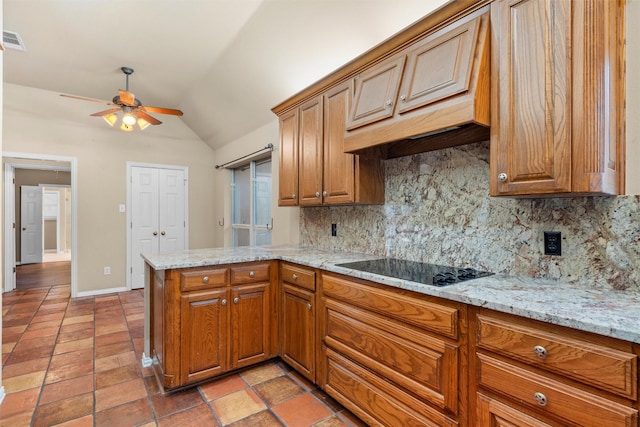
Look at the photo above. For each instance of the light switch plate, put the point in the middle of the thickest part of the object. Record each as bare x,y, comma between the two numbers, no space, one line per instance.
121,208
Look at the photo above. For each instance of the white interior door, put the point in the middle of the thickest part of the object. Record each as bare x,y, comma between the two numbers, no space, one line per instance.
157,215
31,246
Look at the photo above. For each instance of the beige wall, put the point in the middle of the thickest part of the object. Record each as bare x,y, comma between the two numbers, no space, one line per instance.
42,122
285,220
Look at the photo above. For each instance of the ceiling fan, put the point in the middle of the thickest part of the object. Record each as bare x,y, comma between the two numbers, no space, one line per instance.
128,109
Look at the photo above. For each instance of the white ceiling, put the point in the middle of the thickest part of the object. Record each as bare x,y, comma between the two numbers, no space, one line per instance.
225,63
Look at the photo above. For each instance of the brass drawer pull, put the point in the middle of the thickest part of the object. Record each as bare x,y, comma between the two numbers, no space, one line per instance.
236,300
309,306
223,302
540,399
540,351
252,274
294,276
205,280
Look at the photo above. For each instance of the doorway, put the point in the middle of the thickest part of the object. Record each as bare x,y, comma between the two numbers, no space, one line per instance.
51,175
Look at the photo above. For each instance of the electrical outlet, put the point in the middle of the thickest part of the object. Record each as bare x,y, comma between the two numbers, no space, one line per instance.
334,230
552,243
107,271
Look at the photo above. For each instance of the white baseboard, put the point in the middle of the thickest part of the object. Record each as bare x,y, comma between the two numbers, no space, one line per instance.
101,292
146,361
2,394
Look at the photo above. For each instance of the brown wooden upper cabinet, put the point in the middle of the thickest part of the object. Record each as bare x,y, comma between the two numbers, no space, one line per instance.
558,97
435,84
314,169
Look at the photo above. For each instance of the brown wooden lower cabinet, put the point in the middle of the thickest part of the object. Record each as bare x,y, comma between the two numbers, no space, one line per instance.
208,321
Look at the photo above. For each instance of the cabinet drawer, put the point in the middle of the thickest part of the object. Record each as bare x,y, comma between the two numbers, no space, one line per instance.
587,362
552,397
202,279
299,276
250,273
374,400
424,365
416,311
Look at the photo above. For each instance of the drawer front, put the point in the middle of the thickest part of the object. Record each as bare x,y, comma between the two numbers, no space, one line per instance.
250,274
191,280
415,311
374,400
426,366
590,363
551,397
299,276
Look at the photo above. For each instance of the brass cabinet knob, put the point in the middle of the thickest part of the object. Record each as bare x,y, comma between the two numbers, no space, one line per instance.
403,98
252,274
324,194
163,233
317,194
294,276
236,300
155,233
223,302
309,306
502,177
205,280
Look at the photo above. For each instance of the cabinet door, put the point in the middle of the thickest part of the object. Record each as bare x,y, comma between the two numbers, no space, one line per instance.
376,92
204,334
339,167
288,178
531,149
250,324
298,329
492,413
423,82
310,145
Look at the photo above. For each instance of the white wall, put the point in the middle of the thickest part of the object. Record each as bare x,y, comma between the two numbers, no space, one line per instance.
42,122
285,220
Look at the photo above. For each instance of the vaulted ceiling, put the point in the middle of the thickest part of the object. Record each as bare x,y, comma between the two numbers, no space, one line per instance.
225,63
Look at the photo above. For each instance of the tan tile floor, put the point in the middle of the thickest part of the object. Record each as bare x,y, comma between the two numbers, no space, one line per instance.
75,362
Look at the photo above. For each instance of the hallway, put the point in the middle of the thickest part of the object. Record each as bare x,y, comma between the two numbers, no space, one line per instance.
76,362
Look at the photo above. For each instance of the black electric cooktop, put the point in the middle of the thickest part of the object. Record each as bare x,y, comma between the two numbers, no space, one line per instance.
429,274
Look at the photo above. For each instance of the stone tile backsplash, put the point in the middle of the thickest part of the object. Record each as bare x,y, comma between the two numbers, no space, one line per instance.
438,210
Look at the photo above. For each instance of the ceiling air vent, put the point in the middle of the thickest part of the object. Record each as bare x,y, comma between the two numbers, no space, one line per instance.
12,40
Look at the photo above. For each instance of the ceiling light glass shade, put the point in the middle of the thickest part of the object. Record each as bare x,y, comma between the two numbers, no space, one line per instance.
126,127
111,119
128,119
142,124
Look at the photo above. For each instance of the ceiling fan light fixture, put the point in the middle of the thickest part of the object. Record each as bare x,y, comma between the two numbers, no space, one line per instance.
128,119
125,127
143,124
111,119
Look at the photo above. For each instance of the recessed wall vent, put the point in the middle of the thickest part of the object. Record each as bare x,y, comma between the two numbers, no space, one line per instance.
12,40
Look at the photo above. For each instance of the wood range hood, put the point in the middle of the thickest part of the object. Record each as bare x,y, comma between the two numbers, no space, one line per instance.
432,94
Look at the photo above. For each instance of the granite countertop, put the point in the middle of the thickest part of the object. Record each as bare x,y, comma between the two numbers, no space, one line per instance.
603,311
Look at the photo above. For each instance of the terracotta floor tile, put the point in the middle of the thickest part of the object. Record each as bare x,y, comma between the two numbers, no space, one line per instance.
71,358
278,390
218,388
110,328
72,346
52,307
261,373
44,325
77,319
117,375
350,419
48,317
39,333
200,415
63,410
18,356
302,411
112,338
86,421
17,419
69,371
27,344
115,348
8,347
20,401
130,414
23,382
117,394
66,389
238,405
152,384
74,327
327,400
166,404
16,319
76,335
261,419
26,367
331,422
115,361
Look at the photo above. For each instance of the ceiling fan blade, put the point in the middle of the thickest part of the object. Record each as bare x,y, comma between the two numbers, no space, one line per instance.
141,114
161,110
127,98
105,112
100,101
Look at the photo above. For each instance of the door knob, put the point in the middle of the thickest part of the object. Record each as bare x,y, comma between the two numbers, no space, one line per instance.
155,233
163,233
